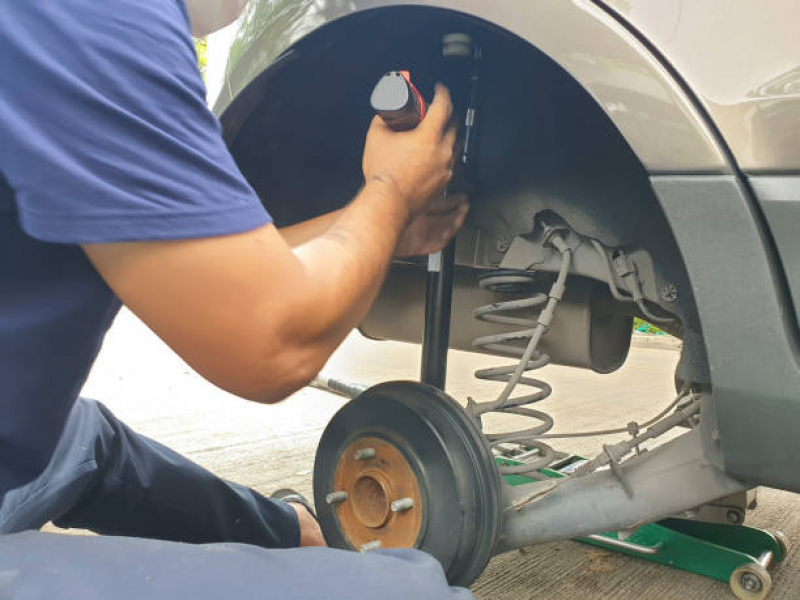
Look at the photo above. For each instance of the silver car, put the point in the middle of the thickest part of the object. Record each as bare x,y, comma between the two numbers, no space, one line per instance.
633,159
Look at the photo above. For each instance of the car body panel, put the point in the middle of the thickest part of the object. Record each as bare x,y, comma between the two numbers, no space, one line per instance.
779,196
748,327
742,60
640,97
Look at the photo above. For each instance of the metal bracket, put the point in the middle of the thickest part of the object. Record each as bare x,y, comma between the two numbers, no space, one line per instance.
616,469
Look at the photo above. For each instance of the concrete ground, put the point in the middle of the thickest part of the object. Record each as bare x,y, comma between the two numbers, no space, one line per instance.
267,447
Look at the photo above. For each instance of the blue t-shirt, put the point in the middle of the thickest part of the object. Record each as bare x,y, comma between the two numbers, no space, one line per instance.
104,137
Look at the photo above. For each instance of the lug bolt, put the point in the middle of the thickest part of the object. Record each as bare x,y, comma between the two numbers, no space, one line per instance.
402,505
373,545
364,453
336,497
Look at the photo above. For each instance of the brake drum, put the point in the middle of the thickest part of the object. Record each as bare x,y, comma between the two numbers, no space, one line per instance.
403,466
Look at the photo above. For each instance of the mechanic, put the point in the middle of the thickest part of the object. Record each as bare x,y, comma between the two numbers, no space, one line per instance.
116,187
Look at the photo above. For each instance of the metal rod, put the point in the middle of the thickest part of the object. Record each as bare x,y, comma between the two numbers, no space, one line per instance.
370,546
336,497
438,303
348,389
364,454
765,560
402,505
623,545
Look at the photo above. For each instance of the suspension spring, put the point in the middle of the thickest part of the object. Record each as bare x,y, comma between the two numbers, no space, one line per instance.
531,358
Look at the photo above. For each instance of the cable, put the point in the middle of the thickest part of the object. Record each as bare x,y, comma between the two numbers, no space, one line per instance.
614,453
612,285
599,432
628,274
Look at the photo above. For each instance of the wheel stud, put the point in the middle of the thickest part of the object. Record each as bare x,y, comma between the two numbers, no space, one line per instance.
373,545
335,497
364,453
402,505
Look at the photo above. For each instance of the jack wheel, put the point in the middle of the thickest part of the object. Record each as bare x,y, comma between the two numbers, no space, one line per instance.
403,466
751,581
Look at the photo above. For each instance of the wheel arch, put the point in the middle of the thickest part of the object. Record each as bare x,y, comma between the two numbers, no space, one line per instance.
637,93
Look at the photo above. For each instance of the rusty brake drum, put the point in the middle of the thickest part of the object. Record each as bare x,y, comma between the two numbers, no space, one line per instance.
403,466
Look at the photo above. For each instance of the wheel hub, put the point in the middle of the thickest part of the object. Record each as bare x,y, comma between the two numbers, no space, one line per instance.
374,474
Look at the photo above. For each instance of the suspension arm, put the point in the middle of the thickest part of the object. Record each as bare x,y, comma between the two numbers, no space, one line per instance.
664,481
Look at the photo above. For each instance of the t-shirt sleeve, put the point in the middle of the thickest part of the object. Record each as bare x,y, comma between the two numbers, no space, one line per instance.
104,131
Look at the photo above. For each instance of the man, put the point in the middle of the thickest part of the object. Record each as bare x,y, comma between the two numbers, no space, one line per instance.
115,186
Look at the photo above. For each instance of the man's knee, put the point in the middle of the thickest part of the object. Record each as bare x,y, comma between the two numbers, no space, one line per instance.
391,573
71,471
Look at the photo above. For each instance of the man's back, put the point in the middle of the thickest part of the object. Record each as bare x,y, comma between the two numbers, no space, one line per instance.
54,311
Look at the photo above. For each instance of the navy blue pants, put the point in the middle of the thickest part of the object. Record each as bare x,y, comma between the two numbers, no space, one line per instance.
171,529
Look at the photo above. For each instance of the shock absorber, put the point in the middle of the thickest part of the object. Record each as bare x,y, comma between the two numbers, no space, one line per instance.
461,54
531,358
401,106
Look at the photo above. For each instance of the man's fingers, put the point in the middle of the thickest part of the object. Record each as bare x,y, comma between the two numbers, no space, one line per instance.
458,143
454,223
448,226
449,140
430,232
439,111
445,204
379,123
456,218
450,134
461,215
448,222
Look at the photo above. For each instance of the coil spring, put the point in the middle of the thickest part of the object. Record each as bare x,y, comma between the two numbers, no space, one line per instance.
530,357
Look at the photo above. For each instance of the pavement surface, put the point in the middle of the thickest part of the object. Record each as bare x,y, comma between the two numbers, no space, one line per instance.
267,447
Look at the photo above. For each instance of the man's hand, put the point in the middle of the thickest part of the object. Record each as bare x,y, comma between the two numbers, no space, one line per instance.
416,164
310,532
431,230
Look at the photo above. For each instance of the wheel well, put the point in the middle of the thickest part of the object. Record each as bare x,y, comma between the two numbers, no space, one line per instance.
544,142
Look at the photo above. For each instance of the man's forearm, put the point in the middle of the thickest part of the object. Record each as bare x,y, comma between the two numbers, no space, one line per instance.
305,231
249,313
346,265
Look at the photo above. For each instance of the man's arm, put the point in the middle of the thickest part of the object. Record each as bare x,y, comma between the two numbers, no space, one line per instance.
305,231
426,233
259,318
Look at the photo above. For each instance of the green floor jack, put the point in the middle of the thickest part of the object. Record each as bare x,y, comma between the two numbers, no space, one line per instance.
738,554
